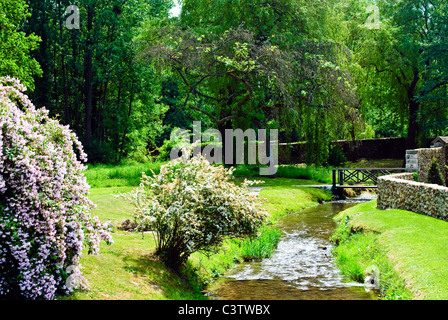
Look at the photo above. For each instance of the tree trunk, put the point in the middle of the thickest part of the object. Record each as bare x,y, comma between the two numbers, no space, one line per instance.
89,78
411,139
125,129
64,74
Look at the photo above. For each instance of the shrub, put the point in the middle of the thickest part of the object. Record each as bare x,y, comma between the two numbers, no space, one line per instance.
192,207
434,175
101,152
319,174
44,211
139,154
309,172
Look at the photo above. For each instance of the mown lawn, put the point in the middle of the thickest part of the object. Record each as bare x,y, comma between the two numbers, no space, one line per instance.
288,199
415,245
128,270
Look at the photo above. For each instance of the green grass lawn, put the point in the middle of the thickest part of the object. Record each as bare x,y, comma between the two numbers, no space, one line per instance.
287,199
109,206
128,270
413,246
125,175
410,249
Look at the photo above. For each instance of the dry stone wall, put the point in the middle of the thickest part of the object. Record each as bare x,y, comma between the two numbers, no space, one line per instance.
419,160
400,191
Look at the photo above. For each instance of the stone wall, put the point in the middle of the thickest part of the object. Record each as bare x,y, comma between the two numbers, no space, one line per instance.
420,160
400,191
371,149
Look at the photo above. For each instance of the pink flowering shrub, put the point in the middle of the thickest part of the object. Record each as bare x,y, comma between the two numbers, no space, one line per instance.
192,206
45,220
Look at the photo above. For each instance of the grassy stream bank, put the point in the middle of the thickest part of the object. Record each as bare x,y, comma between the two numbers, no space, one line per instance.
409,249
128,269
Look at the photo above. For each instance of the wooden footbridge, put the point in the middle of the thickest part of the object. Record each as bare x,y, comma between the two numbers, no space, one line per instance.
360,178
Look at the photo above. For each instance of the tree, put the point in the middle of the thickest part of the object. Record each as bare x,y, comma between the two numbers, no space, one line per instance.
15,45
260,63
401,67
193,206
91,79
230,70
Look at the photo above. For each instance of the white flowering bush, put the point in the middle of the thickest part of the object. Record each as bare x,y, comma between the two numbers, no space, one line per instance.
193,206
45,220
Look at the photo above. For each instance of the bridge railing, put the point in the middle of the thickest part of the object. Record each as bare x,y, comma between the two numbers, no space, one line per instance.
361,176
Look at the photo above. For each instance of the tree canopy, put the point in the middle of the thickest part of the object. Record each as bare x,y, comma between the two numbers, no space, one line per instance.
317,70
16,45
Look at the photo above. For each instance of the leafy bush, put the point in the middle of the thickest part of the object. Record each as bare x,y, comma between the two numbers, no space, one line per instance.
309,172
165,150
45,220
192,207
139,154
101,152
434,175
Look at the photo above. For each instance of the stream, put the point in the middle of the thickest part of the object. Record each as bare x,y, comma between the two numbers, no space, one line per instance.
302,267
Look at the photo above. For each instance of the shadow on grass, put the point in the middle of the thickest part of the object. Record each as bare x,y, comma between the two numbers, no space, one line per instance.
170,284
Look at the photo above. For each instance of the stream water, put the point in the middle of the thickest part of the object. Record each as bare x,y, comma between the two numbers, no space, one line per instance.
302,267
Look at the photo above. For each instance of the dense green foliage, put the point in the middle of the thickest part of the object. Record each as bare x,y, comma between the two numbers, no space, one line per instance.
316,70
91,78
15,45
401,69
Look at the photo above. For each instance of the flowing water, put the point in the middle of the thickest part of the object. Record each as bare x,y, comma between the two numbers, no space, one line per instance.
302,267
